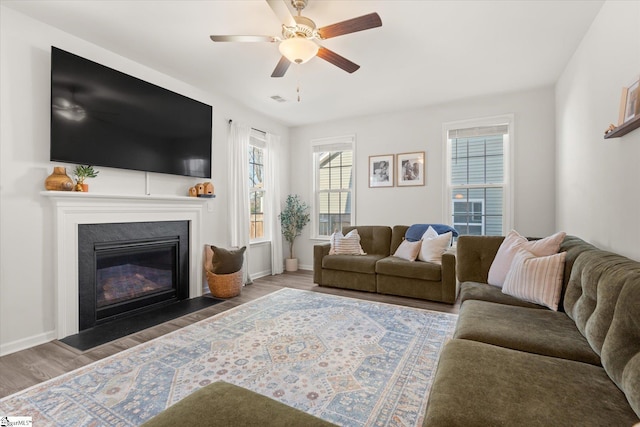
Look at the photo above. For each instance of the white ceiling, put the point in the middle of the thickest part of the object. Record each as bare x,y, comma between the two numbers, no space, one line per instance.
425,53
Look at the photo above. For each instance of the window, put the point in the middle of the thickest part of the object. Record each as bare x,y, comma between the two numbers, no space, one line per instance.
257,147
333,208
477,167
468,216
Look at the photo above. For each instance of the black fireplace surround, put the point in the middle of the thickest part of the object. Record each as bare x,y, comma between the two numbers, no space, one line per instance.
126,268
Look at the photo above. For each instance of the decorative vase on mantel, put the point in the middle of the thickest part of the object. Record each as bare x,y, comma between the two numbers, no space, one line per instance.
59,180
81,187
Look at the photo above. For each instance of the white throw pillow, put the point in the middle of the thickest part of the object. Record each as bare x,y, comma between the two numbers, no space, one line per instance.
514,241
536,279
430,233
346,245
434,245
408,250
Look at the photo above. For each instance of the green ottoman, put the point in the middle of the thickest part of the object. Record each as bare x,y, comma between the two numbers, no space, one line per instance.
223,404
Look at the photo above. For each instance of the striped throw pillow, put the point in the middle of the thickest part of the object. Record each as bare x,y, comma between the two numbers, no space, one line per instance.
536,279
346,245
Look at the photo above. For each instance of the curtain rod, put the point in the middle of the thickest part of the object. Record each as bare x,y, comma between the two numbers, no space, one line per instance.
257,130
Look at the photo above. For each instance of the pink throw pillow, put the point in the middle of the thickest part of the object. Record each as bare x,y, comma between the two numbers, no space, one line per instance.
512,242
536,279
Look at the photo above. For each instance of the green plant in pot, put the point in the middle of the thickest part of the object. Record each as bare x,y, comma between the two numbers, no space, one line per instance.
81,173
293,219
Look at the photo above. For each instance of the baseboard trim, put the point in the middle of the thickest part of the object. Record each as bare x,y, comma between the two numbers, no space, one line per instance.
25,343
259,274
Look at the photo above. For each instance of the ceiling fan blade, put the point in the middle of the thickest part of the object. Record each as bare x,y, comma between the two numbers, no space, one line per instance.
281,10
269,39
337,60
353,25
281,68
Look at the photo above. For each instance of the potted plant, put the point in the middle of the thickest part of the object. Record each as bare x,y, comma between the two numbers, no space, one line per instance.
293,218
81,173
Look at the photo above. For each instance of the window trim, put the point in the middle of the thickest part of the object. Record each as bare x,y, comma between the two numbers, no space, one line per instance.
258,139
349,140
508,155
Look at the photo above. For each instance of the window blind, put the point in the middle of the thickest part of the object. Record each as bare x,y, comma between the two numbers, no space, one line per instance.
478,131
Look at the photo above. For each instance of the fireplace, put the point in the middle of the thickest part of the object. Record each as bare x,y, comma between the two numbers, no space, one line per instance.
125,268
70,209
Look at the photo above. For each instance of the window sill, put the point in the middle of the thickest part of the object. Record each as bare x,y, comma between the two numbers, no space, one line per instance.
259,243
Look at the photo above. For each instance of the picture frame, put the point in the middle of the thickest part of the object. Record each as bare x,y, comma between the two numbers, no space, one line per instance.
630,102
381,171
411,169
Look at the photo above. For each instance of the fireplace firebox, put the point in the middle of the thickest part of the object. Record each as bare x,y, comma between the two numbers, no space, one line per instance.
125,268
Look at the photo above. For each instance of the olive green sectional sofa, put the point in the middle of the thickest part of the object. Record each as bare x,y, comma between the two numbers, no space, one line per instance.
516,363
379,271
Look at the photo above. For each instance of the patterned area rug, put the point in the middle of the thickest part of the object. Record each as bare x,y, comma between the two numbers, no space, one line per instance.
348,361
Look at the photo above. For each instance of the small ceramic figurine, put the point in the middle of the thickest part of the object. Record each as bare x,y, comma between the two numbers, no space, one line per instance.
208,188
611,128
200,188
193,192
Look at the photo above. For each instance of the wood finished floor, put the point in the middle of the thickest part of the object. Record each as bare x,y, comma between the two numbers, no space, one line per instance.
26,368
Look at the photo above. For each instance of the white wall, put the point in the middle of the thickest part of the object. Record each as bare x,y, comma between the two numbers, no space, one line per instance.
598,195
421,130
26,237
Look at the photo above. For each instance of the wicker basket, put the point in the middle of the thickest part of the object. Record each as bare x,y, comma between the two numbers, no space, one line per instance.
225,285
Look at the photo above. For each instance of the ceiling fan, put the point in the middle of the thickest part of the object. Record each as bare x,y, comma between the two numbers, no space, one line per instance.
299,34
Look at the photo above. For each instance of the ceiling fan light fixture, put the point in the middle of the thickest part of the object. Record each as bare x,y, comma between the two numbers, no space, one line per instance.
298,49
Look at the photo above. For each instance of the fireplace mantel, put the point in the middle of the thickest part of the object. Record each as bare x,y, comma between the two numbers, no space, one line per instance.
76,195
73,208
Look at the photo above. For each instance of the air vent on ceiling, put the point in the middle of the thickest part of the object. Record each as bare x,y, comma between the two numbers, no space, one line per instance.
278,98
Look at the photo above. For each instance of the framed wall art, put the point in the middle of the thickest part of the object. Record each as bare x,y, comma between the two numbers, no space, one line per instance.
630,103
381,171
411,169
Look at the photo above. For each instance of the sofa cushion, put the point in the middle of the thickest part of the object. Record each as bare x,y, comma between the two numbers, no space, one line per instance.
536,279
573,246
621,348
394,266
354,263
475,254
545,332
485,292
593,290
397,236
374,239
478,384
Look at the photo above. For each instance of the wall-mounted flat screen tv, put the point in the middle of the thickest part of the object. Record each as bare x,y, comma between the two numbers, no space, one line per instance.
103,117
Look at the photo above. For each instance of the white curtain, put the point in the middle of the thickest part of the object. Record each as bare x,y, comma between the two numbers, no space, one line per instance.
238,206
272,202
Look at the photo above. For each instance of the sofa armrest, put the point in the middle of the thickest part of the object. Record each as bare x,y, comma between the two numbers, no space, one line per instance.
474,257
449,282
319,252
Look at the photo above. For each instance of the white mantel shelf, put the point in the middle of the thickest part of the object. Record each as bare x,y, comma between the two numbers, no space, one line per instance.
78,195
73,208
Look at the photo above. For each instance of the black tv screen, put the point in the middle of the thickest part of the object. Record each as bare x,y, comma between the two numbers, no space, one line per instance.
103,117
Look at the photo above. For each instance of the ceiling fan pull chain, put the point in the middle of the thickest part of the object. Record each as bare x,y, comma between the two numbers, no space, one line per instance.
298,79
